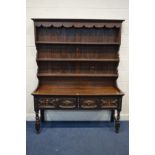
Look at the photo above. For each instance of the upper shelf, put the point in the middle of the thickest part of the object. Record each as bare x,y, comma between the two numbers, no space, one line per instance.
78,23
77,43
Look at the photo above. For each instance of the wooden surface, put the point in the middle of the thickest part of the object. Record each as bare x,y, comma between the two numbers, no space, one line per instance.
77,63
77,59
75,75
77,43
76,90
74,55
80,50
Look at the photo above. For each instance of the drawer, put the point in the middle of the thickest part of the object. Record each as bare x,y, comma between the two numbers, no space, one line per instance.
109,102
67,102
58,102
88,103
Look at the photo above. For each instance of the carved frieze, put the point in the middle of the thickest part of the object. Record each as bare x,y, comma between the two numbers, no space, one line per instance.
78,24
82,103
109,102
88,103
67,103
47,102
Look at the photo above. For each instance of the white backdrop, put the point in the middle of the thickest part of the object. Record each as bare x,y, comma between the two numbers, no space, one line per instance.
98,9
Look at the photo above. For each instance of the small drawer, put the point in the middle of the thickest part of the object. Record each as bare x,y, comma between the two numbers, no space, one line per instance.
88,103
109,102
67,103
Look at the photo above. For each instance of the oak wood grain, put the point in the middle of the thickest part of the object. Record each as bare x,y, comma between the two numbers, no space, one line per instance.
77,63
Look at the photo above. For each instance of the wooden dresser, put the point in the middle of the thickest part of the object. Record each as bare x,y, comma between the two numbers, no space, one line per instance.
77,66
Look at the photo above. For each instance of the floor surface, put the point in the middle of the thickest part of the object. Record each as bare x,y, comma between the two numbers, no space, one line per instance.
77,138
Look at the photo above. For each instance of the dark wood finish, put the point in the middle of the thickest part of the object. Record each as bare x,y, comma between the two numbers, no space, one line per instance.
76,90
76,59
76,43
42,115
77,66
112,115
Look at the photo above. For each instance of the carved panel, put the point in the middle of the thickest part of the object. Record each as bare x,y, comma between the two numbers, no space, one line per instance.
82,103
47,102
78,24
88,103
108,102
67,103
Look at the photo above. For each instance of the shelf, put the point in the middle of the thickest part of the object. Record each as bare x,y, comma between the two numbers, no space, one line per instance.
77,43
75,75
76,90
77,59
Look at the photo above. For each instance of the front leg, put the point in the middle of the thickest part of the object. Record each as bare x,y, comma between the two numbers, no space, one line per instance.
37,122
112,115
42,115
117,122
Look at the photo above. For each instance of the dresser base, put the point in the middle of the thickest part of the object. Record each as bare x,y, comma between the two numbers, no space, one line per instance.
112,103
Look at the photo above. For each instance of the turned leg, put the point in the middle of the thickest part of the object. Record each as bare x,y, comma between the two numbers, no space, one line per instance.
117,122
37,122
112,115
42,115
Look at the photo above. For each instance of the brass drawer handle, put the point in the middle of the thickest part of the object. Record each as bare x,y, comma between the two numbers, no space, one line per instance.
67,104
88,106
88,102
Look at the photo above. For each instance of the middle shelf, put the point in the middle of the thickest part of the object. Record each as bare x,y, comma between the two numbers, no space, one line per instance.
76,43
78,59
76,75
75,69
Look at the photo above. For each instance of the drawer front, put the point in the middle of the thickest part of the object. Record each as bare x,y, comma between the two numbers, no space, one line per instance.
109,102
67,103
47,101
57,102
88,103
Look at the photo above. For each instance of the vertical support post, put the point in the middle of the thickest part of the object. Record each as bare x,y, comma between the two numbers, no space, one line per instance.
112,115
117,122
42,115
37,118
117,119
37,122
